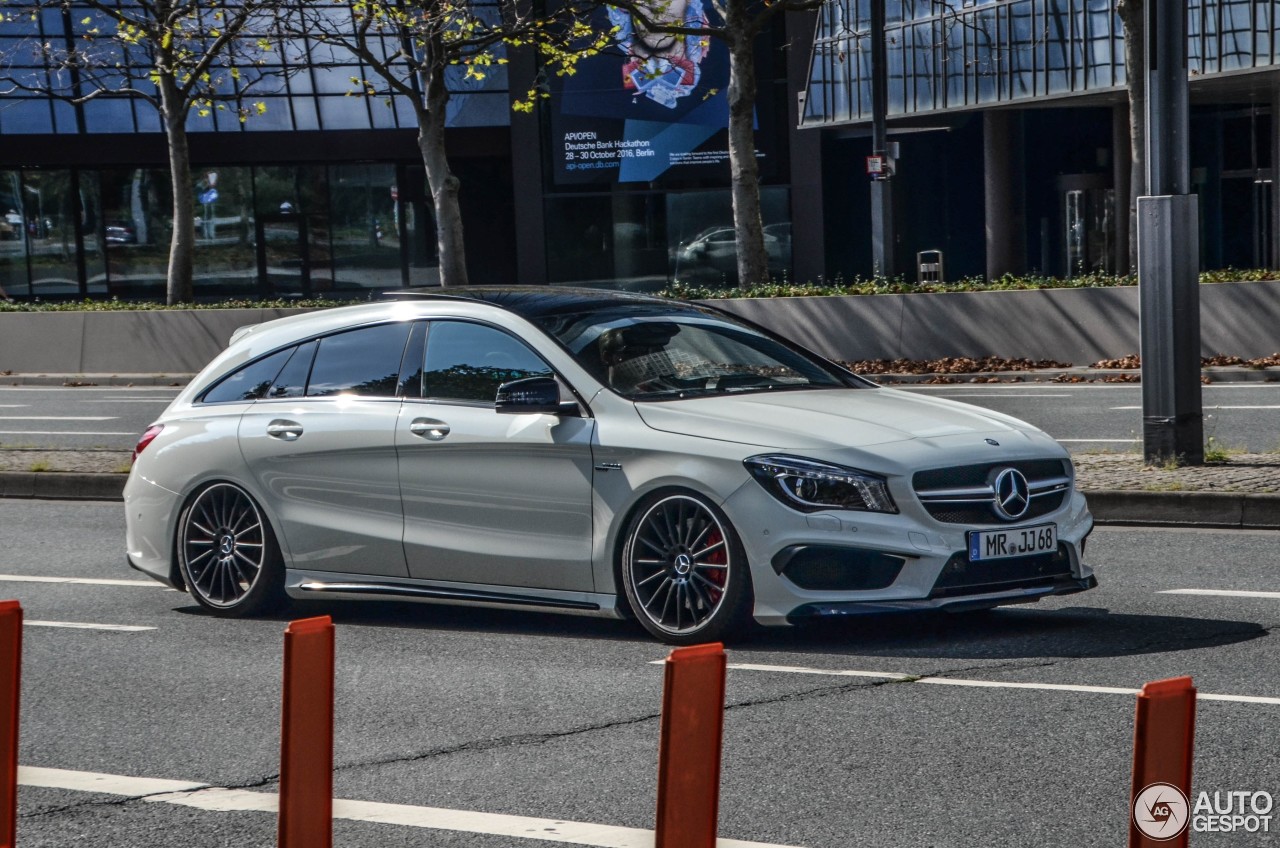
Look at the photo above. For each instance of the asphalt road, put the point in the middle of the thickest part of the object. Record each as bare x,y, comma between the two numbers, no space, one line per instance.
555,718
1086,417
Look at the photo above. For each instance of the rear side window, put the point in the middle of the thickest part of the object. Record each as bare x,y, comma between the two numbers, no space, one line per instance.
292,380
469,361
250,382
363,362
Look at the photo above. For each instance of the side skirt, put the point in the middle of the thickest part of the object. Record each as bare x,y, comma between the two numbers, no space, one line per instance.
321,584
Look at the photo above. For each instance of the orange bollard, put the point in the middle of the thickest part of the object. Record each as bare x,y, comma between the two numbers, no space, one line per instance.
10,688
689,747
1160,804
306,739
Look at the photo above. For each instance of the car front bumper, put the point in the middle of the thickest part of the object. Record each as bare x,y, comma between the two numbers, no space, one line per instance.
883,563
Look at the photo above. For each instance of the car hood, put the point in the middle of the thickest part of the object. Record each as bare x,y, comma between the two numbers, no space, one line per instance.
826,419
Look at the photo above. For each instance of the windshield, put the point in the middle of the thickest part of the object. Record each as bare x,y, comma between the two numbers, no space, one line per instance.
651,353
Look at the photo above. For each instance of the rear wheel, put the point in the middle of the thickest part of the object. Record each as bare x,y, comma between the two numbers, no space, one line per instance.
228,554
684,571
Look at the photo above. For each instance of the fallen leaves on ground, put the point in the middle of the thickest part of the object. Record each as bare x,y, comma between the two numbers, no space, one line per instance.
951,365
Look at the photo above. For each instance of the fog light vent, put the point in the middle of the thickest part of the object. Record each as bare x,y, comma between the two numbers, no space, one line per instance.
833,569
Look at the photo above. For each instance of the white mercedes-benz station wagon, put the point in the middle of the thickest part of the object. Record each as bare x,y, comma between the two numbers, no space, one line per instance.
588,452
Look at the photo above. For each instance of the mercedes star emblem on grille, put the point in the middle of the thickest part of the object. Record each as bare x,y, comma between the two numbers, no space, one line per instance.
1012,494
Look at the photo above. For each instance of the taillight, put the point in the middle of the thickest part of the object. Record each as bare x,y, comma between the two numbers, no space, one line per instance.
147,438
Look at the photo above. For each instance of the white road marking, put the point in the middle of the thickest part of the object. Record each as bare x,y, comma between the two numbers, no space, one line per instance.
77,625
1225,593
64,433
88,581
213,798
58,417
127,400
14,405
1023,394
1209,407
981,684
1109,441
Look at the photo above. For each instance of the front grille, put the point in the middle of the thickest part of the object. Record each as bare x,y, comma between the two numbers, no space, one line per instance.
964,494
977,475
983,513
960,576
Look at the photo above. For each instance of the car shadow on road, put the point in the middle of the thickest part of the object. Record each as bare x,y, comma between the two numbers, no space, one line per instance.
1004,634
1009,633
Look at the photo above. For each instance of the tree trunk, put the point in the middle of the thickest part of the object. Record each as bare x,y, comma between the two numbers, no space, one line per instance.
444,185
182,242
1132,15
753,260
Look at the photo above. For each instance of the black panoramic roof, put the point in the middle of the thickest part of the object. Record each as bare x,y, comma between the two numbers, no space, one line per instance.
541,301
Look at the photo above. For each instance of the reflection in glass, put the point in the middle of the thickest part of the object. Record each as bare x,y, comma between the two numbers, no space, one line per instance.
704,245
47,214
365,232
137,216
13,240
470,361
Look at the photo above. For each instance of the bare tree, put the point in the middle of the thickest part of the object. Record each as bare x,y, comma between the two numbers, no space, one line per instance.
740,24
408,47
178,56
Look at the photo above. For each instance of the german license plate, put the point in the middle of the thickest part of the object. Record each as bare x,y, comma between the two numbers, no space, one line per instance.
1023,541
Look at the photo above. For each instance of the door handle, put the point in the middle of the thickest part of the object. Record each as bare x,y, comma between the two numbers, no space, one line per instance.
429,428
287,430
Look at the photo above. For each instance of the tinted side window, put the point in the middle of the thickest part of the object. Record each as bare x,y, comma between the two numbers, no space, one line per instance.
292,380
360,362
469,362
250,382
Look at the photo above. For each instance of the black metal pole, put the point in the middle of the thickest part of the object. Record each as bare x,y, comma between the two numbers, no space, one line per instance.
1169,252
881,186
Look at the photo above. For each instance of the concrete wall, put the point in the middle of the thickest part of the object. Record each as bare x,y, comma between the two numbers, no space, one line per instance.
152,342
1078,326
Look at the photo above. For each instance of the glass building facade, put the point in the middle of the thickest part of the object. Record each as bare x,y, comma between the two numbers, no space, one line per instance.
324,193
977,53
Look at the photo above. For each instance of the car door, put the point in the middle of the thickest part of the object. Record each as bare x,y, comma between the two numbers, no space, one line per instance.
321,444
491,498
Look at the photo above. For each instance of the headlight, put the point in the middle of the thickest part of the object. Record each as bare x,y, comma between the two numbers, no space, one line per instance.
811,486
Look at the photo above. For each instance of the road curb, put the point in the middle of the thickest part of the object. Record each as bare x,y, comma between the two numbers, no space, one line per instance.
62,485
1232,510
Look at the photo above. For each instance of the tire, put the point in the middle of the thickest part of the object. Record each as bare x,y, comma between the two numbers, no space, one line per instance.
228,553
684,571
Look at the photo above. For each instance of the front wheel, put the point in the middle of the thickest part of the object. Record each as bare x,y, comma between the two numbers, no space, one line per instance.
228,554
684,570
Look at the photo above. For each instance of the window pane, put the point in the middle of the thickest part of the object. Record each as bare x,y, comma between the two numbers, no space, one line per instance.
49,223
225,260
13,241
365,229
250,382
137,209
292,381
362,362
469,361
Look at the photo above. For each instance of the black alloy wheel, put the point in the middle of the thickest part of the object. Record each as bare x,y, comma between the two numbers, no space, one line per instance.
684,570
228,554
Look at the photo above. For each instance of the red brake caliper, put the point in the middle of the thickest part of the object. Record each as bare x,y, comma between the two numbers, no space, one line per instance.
719,556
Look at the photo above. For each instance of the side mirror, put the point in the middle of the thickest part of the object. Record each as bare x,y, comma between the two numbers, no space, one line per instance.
531,395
